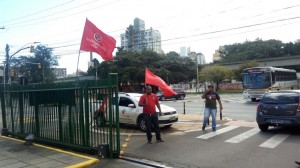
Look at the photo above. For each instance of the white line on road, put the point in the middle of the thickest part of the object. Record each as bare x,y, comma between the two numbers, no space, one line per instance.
243,136
274,141
199,129
215,133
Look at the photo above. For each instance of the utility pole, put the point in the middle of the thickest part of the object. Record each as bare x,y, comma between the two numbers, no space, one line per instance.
7,63
9,57
197,81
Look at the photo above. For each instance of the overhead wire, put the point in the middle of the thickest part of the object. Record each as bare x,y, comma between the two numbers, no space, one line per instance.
213,32
61,17
205,33
277,10
35,13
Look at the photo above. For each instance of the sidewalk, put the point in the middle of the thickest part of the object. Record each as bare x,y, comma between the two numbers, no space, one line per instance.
14,154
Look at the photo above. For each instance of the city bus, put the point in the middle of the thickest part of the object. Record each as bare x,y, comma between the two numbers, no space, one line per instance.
259,80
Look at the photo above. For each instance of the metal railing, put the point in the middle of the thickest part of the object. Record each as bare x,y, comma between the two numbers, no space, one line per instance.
75,115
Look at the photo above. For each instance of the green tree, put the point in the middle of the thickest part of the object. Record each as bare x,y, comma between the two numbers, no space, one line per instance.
258,49
238,72
131,65
38,66
216,74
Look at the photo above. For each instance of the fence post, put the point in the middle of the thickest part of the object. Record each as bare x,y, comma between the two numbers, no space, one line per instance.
4,130
21,105
110,117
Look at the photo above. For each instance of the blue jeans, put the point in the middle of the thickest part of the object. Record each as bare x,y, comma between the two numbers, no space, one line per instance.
207,113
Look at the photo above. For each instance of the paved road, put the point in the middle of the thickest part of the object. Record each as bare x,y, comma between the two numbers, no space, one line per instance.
235,144
235,107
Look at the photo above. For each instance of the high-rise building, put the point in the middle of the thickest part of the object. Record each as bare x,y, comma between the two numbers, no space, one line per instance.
60,72
217,54
137,38
201,59
198,57
183,52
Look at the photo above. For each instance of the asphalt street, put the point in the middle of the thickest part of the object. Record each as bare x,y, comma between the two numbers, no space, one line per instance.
235,144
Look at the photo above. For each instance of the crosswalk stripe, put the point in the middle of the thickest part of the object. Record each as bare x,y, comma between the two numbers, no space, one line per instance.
274,141
243,136
199,129
218,132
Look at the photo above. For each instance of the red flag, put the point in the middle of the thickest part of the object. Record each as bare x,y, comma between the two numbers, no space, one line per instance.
94,40
152,79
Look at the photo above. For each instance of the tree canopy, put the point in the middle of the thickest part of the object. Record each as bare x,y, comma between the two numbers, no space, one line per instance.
258,49
37,68
215,74
131,65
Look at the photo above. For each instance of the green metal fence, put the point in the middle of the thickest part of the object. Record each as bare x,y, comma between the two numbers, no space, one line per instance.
77,115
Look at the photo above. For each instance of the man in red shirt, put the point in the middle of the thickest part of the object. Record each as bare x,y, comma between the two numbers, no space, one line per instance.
148,101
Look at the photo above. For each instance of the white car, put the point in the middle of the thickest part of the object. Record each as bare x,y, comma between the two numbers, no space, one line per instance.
131,113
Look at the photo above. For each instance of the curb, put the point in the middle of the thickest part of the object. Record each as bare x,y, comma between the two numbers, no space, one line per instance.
87,163
143,162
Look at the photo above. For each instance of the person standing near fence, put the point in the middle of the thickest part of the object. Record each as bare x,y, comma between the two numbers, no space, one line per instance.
148,101
211,97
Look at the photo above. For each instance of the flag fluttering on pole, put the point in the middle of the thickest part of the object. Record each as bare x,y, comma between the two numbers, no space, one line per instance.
152,79
94,40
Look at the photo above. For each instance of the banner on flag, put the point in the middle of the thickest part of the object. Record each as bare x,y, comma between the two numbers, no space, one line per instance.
94,40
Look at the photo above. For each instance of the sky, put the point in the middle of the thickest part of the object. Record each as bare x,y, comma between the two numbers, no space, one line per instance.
201,25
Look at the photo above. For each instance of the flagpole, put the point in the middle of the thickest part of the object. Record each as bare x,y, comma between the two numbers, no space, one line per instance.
77,66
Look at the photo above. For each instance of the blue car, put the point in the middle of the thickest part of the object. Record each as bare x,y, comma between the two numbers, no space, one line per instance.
279,108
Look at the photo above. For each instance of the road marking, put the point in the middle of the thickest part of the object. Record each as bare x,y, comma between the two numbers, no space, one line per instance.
274,141
243,136
199,129
217,132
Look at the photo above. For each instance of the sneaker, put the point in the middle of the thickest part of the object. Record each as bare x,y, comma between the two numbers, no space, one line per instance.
149,142
203,128
214,129
297,162
160,140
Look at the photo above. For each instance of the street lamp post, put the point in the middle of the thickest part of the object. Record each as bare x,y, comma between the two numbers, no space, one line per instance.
9,57
197,80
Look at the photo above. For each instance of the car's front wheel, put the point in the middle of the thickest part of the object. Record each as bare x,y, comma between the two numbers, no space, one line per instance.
142,124
263,127
100,120
181,97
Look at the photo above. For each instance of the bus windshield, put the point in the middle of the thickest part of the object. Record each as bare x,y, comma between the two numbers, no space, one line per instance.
256,80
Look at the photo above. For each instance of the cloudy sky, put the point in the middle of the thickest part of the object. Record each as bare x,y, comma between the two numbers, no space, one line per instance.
201,25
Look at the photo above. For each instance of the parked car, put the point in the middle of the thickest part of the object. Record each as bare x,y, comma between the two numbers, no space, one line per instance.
131,113
180,95
279,108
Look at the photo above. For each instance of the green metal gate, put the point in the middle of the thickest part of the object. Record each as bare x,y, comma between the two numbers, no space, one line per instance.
79,115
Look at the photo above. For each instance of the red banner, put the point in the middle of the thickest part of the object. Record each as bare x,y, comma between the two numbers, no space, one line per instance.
94,40
152,79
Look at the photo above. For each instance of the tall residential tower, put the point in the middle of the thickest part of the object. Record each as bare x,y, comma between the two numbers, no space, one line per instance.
137,38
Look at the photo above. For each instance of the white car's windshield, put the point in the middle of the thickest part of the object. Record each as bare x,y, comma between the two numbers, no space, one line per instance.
137,98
